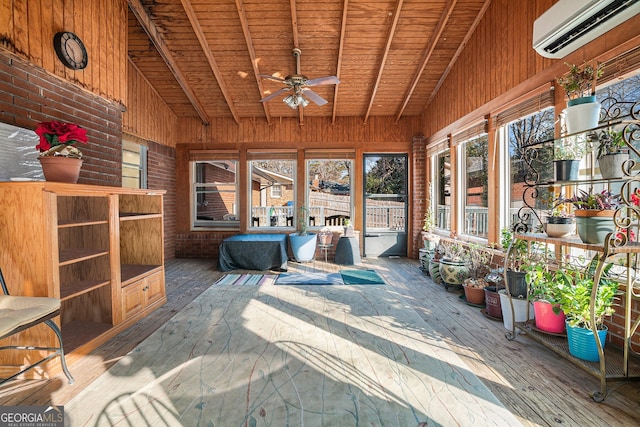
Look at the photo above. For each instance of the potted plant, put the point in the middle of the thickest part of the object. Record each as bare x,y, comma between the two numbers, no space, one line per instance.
514,278
582,110
303,244
594,214
434,264
60,159
584,321
478,258
454,267
559,222
567,153
612,153
348,228
545,291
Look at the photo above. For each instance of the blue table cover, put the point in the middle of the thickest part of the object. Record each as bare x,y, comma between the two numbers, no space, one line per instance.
253,252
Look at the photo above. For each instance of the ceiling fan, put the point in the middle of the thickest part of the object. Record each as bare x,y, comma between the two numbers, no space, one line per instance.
300,86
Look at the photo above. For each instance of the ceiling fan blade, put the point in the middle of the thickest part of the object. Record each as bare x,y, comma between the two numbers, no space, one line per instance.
276,93
267,76
320,101
329,80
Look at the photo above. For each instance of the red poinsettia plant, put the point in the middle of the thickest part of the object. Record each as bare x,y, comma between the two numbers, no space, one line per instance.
58,139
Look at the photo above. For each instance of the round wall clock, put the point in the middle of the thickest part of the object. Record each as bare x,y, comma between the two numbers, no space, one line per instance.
70,50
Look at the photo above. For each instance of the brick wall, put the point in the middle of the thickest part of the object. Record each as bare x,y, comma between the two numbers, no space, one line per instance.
418,194
161,164
29,95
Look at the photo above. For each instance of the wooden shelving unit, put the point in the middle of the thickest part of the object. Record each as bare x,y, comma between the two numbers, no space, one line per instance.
99,249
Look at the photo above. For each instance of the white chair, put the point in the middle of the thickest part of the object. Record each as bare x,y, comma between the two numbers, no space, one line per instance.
18,313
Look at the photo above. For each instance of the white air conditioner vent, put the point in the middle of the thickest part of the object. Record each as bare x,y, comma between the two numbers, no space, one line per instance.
570,24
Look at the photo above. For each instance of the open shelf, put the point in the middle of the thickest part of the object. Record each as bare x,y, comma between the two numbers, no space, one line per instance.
80,223
71,290
68,256
77,333
132,272
129,216
614,356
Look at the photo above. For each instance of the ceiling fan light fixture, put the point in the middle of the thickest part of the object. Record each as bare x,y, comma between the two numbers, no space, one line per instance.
291,101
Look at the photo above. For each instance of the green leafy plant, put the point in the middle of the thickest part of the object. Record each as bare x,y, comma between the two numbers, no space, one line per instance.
603,200
571,148
303,221
545,283
453,251
575,300
478,257
579,81
610,142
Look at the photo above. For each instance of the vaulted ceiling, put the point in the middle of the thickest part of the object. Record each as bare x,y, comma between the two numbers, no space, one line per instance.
205,57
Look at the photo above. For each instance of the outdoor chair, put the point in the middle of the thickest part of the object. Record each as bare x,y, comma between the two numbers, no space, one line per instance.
335,220
18,313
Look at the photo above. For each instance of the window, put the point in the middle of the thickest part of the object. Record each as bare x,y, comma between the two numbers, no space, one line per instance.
329,188
522,136
134,165
19,159
215,190
276,191
272,189
475,186
442,192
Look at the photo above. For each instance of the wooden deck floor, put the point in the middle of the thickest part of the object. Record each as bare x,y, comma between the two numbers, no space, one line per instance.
538,386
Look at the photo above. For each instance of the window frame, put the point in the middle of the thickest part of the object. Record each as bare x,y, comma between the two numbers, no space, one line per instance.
203,224
328,155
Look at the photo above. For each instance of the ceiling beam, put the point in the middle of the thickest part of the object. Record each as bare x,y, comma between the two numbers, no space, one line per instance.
343,30
252,54
296,40
383,61
156,38
455,57
426,56
206,49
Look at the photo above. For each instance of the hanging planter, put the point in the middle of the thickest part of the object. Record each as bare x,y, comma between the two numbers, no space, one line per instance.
583,111
581,117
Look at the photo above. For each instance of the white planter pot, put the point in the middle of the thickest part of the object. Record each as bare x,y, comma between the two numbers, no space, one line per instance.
582,117
520,307
303,247
611,165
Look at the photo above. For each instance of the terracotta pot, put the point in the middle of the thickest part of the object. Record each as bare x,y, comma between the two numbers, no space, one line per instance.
60,169
473,295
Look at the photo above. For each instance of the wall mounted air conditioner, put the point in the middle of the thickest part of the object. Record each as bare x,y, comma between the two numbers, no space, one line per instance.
570,24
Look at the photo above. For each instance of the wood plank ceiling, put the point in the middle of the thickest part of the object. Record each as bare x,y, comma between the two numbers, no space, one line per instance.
205,57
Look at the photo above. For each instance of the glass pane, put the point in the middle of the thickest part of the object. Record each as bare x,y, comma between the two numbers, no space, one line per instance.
443,190
529,165
476,211
216,193
271,193
19,157
329,193
386,193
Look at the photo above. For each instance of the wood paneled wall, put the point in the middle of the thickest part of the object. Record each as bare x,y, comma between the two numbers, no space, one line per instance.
499,64
27,28
147,115
379,133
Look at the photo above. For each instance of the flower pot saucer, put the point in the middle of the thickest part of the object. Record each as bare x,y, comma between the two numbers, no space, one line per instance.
531,325
463,298
488,316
